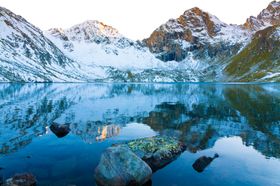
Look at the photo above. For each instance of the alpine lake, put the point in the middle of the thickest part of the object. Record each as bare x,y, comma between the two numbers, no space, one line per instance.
238,122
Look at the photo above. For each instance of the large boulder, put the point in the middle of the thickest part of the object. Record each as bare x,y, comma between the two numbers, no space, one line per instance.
120,166
25,179
157,151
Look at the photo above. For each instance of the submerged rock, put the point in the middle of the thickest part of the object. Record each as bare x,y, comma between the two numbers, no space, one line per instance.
25,179
157,151
60,130
201,163
120,166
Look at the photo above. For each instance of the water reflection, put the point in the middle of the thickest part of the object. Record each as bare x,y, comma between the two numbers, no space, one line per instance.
107,132
198,114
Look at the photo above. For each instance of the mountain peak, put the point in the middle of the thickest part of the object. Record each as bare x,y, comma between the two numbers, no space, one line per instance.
268,17
91,29
194,10
192,30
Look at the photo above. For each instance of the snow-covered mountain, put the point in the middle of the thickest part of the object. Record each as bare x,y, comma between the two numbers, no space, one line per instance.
101,48
196,46
259,60
268,17
191,32
93,43
199,39
26,55
209,45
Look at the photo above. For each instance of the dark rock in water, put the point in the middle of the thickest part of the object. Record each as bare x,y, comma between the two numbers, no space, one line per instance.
120,166
60,130
25,179
157,151
201,163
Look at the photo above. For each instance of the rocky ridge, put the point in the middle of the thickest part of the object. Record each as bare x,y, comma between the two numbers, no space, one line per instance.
268,17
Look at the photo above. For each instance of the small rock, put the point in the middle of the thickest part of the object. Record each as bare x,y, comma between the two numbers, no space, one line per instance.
120,166
25,179
201,163
60,130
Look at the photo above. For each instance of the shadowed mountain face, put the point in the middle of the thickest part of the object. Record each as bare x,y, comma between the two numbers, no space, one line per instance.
197,114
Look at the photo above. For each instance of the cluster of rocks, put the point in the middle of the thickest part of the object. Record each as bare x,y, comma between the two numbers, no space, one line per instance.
133,163
130,163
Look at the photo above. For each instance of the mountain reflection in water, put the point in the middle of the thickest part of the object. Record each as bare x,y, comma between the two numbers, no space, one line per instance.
197,114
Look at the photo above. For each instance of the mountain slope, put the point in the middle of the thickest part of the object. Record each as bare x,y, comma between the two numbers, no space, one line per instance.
268,17
26,55
260,60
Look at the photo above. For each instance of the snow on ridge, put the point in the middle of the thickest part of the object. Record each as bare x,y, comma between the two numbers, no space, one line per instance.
91,28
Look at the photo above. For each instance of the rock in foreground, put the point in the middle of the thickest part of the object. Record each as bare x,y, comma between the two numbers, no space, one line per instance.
25,179
157,151
120,166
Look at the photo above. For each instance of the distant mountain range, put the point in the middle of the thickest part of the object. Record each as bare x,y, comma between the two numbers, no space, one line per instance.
197,46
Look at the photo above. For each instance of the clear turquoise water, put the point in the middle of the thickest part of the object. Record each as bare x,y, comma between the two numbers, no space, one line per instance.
240,122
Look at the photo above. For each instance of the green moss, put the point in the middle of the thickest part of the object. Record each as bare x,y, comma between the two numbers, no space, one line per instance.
150,145
258,58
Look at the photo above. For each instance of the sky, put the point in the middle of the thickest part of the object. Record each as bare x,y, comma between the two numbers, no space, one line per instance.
135,19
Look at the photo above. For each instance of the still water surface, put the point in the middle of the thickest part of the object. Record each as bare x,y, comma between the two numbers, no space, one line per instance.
239,122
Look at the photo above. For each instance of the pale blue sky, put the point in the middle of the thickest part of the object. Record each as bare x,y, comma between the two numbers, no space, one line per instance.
135,19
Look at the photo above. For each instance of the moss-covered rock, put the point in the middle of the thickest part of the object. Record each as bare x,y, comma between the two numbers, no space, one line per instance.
133,162
157,151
